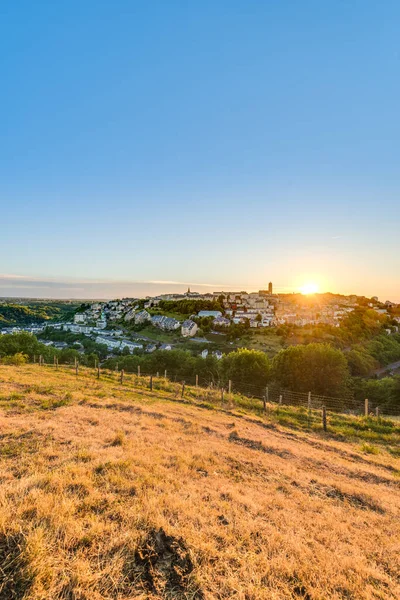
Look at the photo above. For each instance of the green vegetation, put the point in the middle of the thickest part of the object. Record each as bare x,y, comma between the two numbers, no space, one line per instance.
189,307
12,314
249,369
319,368
382,392
361,336
75,341
27,345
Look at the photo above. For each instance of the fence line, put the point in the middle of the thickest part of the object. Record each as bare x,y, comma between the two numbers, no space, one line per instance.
239,393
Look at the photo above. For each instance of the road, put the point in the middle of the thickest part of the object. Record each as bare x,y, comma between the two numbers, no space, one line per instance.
392,367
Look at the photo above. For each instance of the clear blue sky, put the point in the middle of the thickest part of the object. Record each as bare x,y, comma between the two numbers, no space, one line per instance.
221,142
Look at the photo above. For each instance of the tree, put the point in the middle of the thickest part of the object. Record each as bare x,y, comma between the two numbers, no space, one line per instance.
20,342
360,362
317,368
249,370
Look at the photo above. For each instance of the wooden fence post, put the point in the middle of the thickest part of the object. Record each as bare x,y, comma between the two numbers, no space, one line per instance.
165,374
151,383
76,367
366,407
122,376
54,360
116,367
229,387
309,409
197,381
222,394
57,364
157,374
324,418
34,358
98,371
265,404
183,389
377,412
138,370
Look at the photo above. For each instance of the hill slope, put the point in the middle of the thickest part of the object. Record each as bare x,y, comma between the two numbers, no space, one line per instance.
108,493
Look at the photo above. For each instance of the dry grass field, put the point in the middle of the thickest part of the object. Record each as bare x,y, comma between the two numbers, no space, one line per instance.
111,493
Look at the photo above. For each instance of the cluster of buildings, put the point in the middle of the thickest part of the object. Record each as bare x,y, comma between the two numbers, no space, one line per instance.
259,309
104,321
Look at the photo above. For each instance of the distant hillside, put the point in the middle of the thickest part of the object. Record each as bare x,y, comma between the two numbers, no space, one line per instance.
111,493
21,314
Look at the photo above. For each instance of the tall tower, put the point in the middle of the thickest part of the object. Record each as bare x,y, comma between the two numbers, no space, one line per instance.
270,287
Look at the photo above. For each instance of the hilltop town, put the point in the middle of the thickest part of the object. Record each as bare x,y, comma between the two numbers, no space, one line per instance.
163,321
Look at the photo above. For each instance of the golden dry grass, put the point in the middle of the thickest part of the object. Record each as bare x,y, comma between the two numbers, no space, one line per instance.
110,493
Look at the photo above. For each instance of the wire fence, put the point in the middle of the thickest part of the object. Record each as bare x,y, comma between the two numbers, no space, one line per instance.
239,394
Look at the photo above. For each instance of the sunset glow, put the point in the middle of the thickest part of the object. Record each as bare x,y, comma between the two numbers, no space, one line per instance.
309,288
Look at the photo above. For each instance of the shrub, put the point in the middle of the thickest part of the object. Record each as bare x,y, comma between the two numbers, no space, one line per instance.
15,359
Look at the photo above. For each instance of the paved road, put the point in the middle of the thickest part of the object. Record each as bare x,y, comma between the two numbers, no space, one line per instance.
392,367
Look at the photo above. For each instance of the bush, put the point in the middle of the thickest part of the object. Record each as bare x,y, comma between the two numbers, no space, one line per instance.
248,369
14,359
317,368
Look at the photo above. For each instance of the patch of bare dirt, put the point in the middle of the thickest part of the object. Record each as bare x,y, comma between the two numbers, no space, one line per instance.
166,566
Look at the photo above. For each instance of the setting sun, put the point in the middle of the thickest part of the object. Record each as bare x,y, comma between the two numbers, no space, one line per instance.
309,288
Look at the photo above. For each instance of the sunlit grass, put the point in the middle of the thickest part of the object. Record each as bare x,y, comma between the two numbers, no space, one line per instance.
97,477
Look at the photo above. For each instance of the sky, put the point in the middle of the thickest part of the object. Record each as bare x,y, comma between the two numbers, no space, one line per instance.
148,146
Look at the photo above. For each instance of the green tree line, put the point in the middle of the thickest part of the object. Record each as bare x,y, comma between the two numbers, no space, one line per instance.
318,368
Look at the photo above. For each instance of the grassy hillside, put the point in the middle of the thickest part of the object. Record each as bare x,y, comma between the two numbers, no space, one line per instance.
111,493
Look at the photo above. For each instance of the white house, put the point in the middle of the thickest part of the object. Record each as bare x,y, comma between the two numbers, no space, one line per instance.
141,317
109,342
221,322
80,318
210,313
165,323
131,345
189,328
166,347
